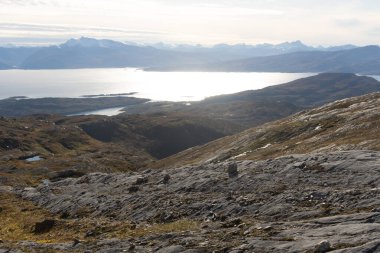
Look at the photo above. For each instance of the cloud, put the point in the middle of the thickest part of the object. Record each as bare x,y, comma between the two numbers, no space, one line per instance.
223,8
197,21
348,22
24,34
58,28
30,27
375,31
27,2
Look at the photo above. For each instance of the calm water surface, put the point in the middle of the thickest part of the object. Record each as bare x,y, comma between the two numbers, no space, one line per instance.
108,112
164,86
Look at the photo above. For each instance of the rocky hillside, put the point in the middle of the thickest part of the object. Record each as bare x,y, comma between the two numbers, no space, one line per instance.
298,203
97,143
342,125
307,183
56,145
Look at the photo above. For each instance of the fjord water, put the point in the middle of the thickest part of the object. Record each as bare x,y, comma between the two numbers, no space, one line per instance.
108,112
162,86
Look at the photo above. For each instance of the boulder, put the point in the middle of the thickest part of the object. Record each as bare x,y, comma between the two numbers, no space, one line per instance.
44,226
232,170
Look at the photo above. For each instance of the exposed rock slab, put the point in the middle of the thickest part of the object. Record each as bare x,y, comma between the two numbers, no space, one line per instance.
292,203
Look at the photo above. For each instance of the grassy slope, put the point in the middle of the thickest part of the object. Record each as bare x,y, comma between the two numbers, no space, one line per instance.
97,143
63,146
342,125
160,135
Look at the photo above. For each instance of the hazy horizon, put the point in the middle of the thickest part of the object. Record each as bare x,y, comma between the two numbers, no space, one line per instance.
209,22
166,44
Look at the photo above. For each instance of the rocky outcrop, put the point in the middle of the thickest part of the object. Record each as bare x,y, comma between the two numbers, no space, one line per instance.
300,203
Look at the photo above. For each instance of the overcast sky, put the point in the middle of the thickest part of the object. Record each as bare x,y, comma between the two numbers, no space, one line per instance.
315,22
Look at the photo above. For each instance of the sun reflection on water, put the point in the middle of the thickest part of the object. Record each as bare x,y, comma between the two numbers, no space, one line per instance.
159,86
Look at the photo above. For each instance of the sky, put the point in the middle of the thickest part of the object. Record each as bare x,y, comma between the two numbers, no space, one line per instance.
208,22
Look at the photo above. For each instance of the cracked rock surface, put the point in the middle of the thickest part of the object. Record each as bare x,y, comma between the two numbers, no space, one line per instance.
317,202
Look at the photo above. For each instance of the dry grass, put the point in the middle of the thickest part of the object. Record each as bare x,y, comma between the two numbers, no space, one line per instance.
62,146
18,217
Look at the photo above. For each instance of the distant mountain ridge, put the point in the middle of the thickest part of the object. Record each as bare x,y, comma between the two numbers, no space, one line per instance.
361,60
229,52
88,42
365,60
4,66
11,57
93,53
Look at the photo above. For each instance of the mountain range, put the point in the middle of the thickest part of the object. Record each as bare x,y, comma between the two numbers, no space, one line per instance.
284,57
13,57
225,52
364,60
91,53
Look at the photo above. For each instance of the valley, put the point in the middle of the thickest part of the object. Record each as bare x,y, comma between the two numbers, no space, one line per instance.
291,167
